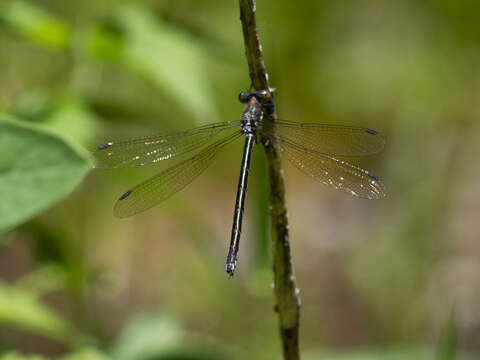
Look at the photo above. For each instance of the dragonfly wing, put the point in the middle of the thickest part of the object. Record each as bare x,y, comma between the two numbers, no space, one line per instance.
331,139
152,149
166,183
335,173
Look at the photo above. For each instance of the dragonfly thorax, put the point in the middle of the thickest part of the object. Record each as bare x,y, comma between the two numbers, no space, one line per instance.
251,116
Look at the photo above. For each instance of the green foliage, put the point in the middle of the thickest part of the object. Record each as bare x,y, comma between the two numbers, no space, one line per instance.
35,24
159,336
106,41
86,354
64,114
21,309
36,169
150,45
147,335
83,354
385,354
133,38
17,356
447,348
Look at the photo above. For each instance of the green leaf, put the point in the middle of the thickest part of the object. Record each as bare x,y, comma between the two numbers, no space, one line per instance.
36,169
147,335
61,112
17,356
155,336
376,354
173,60
43,280
86,354
71,119
21,309
35,24
448,342
106,41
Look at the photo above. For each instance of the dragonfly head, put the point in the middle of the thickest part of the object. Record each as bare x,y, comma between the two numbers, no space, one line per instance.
244,97
263,96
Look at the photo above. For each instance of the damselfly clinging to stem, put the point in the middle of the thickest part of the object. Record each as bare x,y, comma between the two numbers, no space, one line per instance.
316,149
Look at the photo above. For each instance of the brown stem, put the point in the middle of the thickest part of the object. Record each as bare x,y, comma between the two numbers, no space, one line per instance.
286,293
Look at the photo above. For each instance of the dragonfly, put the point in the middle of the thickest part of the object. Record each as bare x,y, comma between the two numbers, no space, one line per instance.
319,150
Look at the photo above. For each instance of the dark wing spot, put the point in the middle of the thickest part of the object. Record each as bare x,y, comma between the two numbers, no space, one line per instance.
104,146
125,195
370,131
373,176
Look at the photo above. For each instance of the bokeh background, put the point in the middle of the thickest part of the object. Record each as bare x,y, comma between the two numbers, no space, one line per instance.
378,279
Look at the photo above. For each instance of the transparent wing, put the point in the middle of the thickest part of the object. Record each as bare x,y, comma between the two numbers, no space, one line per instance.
152,149
330,139
335,173
166,183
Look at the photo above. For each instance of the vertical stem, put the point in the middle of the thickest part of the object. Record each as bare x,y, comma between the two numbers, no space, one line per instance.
286,293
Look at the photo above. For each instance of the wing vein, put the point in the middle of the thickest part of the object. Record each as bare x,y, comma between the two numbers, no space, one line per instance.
333,172
329,139
153,149
166,183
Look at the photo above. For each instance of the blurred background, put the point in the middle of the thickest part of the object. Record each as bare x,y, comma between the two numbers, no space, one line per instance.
378,279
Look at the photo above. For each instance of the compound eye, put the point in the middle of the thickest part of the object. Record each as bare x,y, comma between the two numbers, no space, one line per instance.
244,97
264,95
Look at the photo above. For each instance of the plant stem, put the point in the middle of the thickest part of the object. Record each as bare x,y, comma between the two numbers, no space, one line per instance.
286,293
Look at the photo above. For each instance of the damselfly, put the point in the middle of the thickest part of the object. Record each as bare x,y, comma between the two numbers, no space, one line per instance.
316,149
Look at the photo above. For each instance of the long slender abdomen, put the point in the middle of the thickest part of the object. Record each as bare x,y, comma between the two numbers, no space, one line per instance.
240,205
